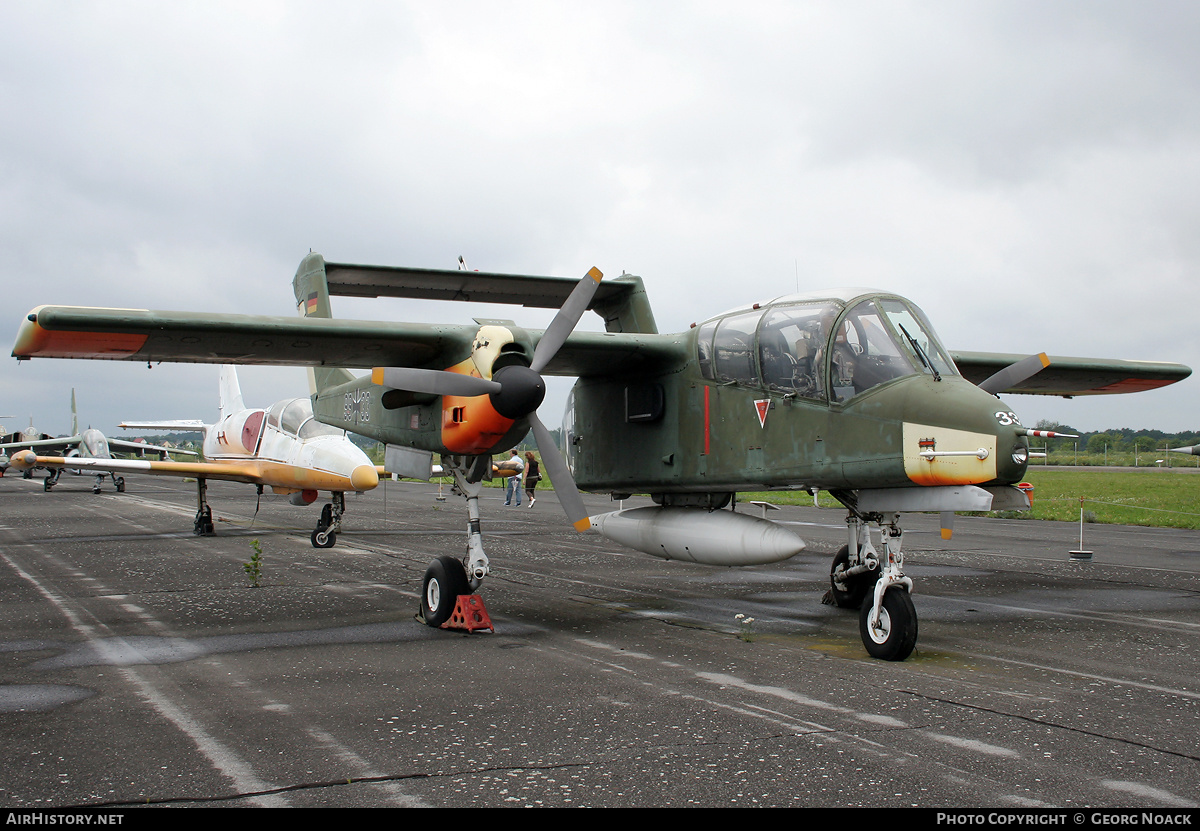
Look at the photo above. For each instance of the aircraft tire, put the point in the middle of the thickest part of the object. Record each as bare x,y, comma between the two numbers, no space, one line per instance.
445,580
323,539
849,594
120,484
898,635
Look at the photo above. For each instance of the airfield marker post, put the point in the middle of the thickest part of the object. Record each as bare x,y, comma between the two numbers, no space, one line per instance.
1081,553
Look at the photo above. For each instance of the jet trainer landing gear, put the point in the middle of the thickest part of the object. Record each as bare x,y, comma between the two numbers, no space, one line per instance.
203,526
51,478
874,580
446,579
330,522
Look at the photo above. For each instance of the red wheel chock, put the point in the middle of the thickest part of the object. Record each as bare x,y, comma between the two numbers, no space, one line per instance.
469,614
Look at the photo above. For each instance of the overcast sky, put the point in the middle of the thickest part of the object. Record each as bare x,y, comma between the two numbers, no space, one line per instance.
1028,173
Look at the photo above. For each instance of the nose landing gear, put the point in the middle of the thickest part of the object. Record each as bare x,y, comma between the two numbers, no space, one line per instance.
874,581
330,522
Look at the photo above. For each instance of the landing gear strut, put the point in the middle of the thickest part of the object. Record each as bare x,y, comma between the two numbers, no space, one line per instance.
203,526
330,522
446,578
51,478
874,580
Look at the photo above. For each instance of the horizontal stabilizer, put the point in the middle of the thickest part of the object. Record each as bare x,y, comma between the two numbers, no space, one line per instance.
468,286
178,426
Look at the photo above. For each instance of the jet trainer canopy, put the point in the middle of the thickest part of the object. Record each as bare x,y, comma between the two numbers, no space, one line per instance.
295,417
821,348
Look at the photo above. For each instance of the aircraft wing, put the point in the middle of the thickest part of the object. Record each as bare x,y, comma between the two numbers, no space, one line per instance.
189,337
1074,376
142,447
234,471
62,443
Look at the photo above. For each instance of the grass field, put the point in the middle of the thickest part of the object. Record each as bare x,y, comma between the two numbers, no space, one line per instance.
1134,497
1122,497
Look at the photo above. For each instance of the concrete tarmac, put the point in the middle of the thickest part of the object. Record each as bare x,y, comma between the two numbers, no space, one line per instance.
137,666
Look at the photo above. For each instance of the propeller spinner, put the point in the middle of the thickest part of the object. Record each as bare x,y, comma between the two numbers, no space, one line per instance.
516,391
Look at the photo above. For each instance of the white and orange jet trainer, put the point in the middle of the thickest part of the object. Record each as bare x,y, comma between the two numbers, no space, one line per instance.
282,447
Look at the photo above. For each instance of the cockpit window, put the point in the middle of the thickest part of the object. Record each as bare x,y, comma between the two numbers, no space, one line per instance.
796,350
917,337
704,341
867,351
733,349
296,417
312,427
791,348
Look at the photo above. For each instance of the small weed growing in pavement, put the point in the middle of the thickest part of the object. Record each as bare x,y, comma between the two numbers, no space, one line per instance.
254,567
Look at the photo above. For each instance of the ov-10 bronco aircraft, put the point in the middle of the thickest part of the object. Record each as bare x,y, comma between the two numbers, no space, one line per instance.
848,391
283,447
78,448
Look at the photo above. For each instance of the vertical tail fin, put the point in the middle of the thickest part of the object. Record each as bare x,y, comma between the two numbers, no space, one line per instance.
312,300
230,400
74,416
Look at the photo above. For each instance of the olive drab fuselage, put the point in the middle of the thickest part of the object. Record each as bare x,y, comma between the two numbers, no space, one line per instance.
807,392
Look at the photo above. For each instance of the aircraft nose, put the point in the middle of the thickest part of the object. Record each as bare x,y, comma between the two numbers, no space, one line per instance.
364,478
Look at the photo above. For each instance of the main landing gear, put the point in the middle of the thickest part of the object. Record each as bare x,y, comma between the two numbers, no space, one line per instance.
330,522
51,478
203,526
874,582
446,579
118,481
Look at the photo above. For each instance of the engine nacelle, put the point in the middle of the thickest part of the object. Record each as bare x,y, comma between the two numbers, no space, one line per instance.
715,538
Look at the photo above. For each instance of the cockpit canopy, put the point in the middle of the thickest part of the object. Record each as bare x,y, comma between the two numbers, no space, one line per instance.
824,349
295,417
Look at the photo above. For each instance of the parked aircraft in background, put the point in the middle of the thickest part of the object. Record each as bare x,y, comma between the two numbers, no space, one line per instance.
80,445
848,391
282,447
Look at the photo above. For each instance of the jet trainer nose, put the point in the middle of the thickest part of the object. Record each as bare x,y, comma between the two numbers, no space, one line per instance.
364,477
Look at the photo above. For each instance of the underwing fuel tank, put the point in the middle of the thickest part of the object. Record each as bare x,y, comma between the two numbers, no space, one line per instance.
716,538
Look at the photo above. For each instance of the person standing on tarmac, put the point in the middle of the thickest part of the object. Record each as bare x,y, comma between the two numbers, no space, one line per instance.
533,475
513,488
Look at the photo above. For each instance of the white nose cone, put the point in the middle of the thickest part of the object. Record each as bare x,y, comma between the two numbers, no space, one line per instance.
716,538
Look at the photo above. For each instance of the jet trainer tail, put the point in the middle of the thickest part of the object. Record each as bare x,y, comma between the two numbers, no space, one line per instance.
230,393
312,300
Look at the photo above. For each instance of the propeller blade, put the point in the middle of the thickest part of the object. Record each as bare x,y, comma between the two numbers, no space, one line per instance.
1014,374
560,476
564,322
432,381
